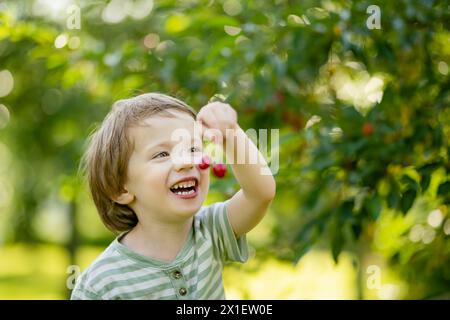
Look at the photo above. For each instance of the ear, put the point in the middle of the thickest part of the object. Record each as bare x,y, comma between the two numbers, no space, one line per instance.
124,198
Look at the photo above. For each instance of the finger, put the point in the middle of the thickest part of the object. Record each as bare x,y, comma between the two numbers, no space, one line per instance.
209,119
227,118
205,116
206,131
213,134
232,114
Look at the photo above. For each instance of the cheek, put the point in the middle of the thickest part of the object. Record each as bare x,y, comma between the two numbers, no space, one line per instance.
204,180
154,177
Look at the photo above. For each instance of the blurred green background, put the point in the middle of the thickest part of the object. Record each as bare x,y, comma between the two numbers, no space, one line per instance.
362,207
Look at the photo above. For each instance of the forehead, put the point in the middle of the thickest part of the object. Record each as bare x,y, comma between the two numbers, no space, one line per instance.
162,128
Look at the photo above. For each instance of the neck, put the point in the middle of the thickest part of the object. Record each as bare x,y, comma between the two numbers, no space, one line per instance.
158,239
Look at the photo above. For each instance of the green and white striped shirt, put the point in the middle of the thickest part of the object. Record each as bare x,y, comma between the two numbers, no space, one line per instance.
196,272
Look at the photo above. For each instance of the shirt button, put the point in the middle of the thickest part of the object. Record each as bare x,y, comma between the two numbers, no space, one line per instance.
177,274
182,291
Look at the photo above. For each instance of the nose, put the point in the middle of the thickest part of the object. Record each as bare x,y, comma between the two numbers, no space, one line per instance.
183,161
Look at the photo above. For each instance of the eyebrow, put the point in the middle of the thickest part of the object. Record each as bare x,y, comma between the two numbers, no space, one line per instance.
165,144
162,144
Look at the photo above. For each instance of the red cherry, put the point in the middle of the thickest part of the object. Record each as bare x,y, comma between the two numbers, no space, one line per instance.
206,161
219,170
367,129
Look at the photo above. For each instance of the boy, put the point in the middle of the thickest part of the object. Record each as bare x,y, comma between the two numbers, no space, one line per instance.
147,185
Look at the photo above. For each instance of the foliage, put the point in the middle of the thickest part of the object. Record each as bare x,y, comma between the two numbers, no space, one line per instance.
363,113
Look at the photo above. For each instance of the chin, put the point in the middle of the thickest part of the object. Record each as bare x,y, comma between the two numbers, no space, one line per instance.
187,207
187,212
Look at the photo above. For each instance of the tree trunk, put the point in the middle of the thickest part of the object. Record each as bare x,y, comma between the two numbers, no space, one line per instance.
359,269
72,244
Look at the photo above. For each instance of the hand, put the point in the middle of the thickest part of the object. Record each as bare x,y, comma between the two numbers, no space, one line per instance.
217,118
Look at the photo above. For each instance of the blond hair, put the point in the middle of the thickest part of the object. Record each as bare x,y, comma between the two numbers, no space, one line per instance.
105,162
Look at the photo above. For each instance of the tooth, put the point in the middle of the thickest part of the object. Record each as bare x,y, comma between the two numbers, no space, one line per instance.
188,184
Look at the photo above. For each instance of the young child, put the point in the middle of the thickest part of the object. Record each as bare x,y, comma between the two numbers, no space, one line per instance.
149,187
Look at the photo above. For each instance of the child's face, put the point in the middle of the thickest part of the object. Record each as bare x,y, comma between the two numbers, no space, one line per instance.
160,160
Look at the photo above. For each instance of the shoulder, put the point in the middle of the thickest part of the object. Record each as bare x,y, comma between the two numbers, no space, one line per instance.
93,282
212,212
212,219
213,224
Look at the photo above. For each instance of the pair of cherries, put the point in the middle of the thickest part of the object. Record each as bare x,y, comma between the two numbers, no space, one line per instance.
219,169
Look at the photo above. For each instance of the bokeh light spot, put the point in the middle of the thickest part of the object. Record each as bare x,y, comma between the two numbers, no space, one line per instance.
115,11
232,31
140,9
4,116
435,218
61,41
151,40
232,7
447,227
443,68
74,43
416,233
6,82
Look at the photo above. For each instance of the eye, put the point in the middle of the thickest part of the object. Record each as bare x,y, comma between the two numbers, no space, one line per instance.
161,155
195,149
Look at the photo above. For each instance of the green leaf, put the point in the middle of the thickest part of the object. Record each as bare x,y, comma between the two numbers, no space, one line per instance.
307,236
335,232
312,197
407,200
346,210
300,251
409,182
444,188
426,172
425,181
373,206
356,229
337,242
394,196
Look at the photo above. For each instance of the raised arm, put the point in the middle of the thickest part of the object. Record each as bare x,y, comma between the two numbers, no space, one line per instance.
249,205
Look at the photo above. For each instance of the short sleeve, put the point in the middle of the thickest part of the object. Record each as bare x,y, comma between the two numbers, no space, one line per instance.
228,248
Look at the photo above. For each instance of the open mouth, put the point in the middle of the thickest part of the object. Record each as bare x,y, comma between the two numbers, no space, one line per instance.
185,189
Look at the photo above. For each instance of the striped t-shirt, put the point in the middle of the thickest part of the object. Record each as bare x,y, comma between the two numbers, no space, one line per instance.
195,273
